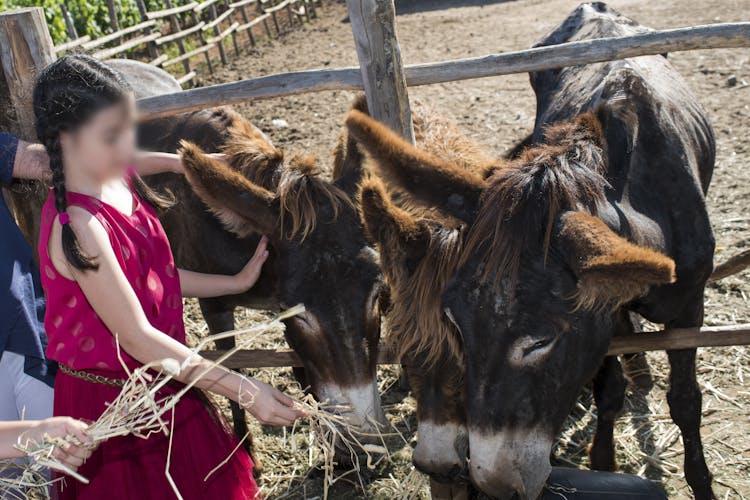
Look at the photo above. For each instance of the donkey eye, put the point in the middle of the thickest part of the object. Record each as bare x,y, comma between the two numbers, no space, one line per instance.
539,344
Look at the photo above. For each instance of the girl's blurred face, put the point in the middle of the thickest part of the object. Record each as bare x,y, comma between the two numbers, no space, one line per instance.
105,145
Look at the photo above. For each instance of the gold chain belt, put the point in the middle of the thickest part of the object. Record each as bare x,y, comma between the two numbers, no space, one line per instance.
91,377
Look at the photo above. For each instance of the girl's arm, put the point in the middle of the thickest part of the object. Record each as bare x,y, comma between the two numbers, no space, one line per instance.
216,285
148,163
112,297
31,160
73,456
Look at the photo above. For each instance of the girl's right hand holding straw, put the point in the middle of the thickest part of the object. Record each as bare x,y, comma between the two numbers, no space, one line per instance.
269,405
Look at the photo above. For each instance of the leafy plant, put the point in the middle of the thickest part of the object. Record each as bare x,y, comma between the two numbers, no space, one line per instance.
90,17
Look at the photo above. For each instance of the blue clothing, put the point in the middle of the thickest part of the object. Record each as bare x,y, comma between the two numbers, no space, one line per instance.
21,296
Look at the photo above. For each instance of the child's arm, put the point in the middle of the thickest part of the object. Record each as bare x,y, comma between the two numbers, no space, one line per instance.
216,285
112,297
73,456
149,163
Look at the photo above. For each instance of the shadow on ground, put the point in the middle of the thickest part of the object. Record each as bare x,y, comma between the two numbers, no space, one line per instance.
414,6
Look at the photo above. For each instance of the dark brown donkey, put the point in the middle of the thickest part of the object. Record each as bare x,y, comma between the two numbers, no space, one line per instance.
319,254
605,215
417,255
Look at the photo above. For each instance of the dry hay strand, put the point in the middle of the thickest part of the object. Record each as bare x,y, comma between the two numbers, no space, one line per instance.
332,430
137,410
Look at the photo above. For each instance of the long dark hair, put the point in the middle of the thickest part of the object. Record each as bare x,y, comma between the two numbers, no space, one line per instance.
67,93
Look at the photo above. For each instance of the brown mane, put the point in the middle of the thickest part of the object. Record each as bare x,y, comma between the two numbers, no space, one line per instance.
416,322
296,181
524,197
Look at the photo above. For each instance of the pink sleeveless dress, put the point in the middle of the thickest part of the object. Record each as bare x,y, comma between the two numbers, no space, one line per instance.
129,467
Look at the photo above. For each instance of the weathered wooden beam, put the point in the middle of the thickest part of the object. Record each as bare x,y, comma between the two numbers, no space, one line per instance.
72,44
25,48
241,3
217,33
70,26
204,5
219,19
180,34
153,50
730,35
187,55
258,88
374,29
186,78
731,266
171,11
682,338
111,52
119,34
114,22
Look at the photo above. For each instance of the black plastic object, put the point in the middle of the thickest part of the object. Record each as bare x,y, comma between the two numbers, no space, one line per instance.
575,484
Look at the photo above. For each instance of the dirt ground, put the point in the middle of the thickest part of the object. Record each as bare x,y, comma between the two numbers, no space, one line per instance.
497,112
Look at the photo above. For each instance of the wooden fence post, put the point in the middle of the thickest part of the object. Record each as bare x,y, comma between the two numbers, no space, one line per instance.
143,11
373,25
70,27
25,48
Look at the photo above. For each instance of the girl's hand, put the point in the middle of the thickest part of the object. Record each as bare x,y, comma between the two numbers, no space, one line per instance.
249,275
70,454
269,405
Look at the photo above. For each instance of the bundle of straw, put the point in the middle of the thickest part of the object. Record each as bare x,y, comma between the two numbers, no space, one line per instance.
138,410
334,431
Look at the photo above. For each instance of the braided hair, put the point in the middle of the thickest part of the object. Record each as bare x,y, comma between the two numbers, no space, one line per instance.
67,93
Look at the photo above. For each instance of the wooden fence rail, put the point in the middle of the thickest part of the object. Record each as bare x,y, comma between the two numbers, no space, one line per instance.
728,35
683,338
195,28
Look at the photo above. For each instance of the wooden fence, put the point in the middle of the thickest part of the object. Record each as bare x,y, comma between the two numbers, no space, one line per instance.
385,81
174,36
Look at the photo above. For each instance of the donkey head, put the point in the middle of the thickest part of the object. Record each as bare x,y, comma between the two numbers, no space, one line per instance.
533,291
321,256
416,257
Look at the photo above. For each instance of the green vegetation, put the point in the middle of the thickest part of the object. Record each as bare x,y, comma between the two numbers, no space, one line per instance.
90,17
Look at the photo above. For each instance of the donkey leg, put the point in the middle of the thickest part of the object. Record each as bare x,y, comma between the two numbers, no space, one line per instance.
220,319
685,404
609,395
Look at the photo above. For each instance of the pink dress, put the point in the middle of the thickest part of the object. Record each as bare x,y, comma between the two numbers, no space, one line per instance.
129,467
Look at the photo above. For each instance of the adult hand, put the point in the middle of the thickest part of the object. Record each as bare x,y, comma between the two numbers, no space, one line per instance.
249,275
268,404
72,454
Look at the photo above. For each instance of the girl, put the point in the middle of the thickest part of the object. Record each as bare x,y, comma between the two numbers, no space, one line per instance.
108,271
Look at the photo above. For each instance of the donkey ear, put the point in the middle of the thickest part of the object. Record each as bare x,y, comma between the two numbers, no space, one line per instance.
611,271
242,206
348,164
397,234
431,180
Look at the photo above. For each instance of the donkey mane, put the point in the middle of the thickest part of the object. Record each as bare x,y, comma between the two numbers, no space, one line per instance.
524,197
416,323
296,181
